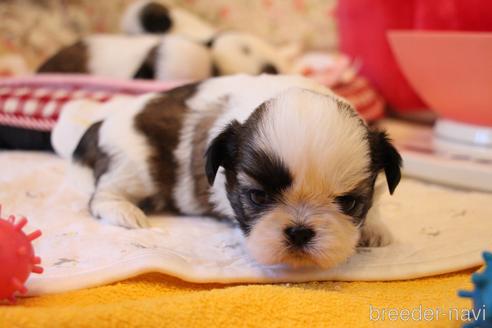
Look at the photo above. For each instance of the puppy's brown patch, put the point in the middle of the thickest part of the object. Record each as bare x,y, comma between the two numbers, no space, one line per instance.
71,59
160,122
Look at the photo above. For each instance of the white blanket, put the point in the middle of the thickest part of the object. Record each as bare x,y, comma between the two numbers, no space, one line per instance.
436,230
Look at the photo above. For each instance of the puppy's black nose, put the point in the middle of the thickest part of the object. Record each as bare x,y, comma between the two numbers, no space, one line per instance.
269,69
299,236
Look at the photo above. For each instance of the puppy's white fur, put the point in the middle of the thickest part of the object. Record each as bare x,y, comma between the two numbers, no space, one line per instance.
118,56
298,137
129,176
130,22
190,26
181,59
76,117
238,52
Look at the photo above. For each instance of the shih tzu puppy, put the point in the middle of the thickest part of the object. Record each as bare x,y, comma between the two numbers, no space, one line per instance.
232,51
148,57
287,160
161,45
167,57
238,52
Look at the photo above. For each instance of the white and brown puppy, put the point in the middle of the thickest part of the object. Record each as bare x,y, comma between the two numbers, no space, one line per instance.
152,57
237,52
232,51
290,162
168,57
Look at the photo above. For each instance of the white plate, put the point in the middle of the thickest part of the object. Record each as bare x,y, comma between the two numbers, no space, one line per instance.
437,160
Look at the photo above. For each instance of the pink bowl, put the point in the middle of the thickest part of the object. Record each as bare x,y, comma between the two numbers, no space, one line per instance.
450,71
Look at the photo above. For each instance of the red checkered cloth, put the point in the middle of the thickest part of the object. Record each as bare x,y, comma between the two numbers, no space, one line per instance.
35,102
340,74
369,103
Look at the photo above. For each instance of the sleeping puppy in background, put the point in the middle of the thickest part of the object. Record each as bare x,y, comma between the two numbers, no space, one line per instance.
148,57
232,51
167,57
287,160
166,43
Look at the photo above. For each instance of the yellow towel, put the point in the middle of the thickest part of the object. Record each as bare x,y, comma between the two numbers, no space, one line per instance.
156,300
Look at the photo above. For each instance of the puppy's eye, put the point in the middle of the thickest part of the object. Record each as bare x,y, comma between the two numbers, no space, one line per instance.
348,203
258,197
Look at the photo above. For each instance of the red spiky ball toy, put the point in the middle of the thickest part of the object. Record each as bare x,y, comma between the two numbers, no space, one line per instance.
17,259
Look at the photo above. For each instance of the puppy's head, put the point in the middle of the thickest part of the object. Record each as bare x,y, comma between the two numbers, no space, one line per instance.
235,52
300,177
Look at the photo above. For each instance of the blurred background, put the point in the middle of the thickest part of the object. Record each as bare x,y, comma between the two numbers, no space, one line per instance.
32,30
426,61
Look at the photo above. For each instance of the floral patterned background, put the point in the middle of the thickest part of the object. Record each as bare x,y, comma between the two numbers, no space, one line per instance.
309,22
31,30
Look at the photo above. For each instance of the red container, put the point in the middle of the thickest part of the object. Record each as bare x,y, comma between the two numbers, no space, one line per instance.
453,15
362,35
362,26
452,71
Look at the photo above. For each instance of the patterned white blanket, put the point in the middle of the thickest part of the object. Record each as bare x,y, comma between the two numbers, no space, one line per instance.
436,230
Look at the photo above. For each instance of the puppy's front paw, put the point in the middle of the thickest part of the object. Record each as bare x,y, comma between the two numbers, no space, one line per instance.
121,213
375,234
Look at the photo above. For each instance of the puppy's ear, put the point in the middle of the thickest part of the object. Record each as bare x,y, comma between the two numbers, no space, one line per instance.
222,151
384,156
